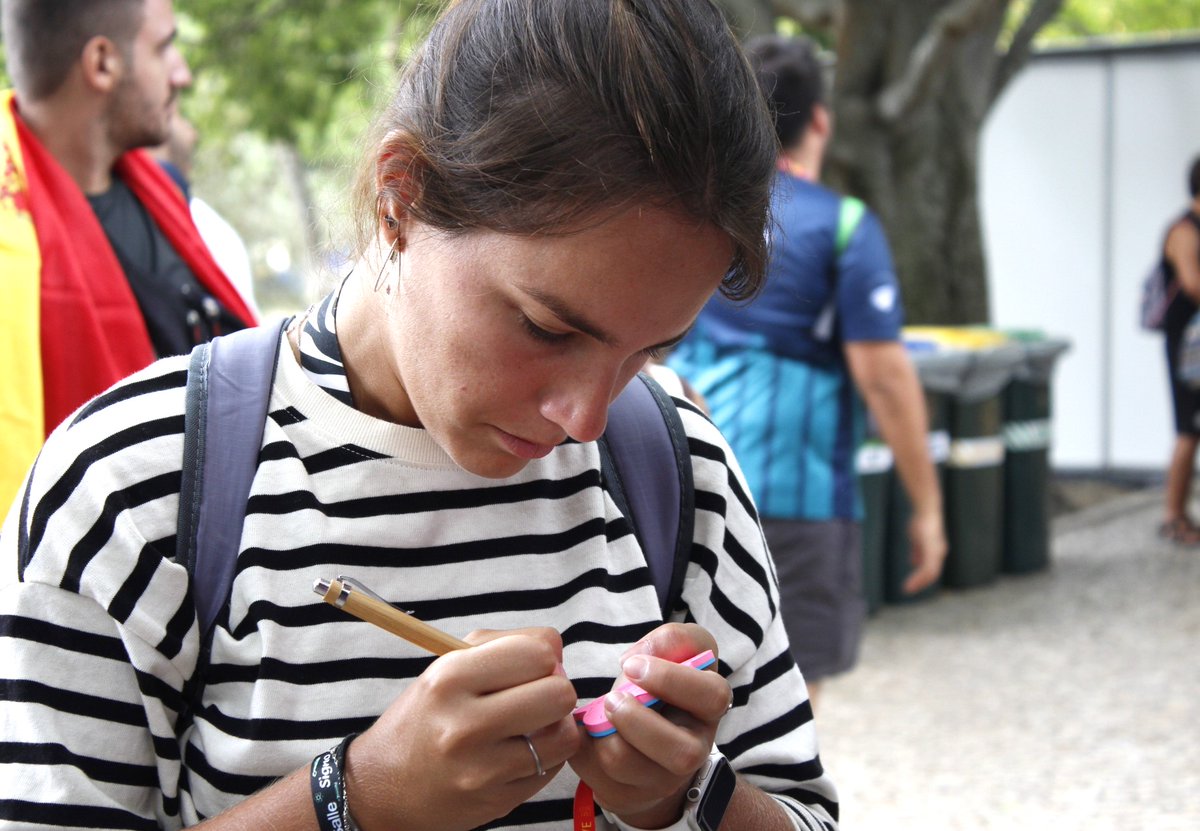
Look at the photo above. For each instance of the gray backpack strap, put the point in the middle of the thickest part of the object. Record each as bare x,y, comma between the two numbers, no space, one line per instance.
647,467
645,463
228,392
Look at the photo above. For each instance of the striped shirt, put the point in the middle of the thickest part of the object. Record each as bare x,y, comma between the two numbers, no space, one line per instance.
100,643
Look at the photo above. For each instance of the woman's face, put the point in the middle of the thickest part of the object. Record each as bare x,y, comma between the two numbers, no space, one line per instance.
504,346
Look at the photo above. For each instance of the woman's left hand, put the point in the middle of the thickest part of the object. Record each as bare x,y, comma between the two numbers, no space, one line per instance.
642,772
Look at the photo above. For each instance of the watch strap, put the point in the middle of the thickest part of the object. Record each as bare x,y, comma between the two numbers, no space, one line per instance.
710,794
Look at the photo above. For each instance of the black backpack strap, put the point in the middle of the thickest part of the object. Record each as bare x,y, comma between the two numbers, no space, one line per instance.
228,392
647,467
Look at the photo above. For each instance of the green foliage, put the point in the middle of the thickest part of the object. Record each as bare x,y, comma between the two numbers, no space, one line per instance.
294,70
1115,18
280,80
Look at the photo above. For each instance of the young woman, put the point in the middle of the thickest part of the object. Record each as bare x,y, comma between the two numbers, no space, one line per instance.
1181,257
557,188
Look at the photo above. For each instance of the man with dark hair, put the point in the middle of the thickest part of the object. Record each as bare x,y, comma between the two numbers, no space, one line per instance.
103,268
791,77
783,375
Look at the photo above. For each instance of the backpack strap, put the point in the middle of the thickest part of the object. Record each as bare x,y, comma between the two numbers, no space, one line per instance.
850,214
228,392
646,466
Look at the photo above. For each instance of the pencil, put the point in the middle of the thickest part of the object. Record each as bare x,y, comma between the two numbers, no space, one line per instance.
352,599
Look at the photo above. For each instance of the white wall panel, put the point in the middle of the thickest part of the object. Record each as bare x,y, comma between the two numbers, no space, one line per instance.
1083,162
1043,216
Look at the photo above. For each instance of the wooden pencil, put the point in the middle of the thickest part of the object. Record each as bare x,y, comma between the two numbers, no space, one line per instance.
349,598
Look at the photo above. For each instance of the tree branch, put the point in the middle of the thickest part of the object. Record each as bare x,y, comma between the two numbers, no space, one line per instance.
1042,12
929,55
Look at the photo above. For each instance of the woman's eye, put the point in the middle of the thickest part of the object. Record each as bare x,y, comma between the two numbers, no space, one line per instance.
543,334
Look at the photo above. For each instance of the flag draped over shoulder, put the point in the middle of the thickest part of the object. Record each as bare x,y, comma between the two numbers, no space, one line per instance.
69,323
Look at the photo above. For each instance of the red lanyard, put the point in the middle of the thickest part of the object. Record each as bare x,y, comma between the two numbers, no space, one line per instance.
585,808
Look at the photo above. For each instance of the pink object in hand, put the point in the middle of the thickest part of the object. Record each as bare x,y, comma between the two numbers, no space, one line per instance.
592,716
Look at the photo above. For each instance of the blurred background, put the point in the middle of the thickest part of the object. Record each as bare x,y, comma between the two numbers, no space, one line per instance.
1024,156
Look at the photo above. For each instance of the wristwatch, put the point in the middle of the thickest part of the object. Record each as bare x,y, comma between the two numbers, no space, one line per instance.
710,794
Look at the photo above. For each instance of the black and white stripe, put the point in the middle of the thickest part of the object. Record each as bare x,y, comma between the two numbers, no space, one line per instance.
100,644
320,355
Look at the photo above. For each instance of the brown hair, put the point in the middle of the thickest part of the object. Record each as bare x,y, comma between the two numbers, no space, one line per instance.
44,38
537,116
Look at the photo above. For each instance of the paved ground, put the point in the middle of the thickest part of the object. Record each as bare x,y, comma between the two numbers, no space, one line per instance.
1068,699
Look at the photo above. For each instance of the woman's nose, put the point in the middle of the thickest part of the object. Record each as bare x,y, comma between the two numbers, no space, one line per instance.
580,407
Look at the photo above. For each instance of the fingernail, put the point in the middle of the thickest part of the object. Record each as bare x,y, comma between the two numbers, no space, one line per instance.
639,648
635,667
559,669
614,700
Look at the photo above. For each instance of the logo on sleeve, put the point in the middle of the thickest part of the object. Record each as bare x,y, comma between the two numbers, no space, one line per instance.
884,298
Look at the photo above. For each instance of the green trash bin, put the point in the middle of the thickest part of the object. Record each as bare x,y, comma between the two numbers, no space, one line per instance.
1027,439
940,373
974,493
873,464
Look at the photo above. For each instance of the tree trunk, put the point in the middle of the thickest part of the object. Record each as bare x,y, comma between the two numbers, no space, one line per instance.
757,17
296,174
907,140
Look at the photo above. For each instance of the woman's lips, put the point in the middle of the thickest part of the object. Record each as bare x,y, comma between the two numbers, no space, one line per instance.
524,449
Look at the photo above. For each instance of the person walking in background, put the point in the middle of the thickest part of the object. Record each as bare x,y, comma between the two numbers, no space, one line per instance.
1181,266
780,376
103,268
177,155
552,194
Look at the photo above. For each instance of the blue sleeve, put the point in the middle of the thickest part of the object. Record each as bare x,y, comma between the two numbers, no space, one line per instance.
869,304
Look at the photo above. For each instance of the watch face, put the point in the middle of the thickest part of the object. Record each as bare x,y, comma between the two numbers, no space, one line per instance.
711,808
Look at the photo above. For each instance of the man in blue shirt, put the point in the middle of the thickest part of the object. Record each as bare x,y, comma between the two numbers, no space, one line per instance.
784,374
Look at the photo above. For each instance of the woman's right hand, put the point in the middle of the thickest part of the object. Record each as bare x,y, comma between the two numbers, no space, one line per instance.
450,752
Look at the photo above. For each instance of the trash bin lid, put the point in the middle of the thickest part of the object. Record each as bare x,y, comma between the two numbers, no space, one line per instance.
1040,358
941,371
989,371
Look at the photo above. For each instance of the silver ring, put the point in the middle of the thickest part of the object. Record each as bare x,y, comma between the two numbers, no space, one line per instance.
536,759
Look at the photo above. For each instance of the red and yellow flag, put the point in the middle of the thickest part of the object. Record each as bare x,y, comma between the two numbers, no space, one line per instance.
70,326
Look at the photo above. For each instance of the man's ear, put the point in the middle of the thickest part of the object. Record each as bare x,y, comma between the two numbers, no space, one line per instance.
102,64
821,122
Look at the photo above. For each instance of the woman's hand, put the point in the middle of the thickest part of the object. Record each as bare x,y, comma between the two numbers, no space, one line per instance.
641,773
451,752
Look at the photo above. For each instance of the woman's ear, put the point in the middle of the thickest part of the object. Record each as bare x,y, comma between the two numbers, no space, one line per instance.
391,221
397,184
